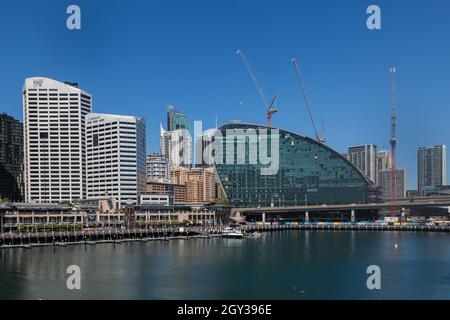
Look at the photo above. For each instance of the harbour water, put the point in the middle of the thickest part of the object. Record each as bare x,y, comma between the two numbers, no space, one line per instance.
298,264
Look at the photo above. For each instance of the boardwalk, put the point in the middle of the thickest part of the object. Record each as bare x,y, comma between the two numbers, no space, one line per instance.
111,235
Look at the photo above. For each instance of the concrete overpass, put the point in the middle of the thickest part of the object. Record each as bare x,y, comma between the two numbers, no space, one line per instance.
418,205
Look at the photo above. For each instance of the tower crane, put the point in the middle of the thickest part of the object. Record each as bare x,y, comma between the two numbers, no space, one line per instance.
393,141
319,137
270,108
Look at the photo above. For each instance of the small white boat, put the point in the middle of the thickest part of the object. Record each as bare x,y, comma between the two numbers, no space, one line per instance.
230,232
255,234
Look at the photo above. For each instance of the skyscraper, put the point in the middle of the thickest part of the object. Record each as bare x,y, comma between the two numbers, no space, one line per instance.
364,157
431,168
385,179
384,162
177,147
176,120
11,158
115,157
158,167
54,140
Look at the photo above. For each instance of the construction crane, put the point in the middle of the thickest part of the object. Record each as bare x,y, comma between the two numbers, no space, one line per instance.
319,137
270,108
393,141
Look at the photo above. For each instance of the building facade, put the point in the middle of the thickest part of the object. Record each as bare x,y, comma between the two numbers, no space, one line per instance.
200,183
116,147
299,171
386,183
431,168
54,140
364,157
176,120
177,193
157,167
384,162
11,158
177,147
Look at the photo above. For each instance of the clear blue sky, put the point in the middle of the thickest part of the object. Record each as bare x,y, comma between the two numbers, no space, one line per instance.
136,57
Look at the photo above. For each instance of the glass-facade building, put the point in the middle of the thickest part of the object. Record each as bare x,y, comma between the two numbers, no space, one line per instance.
306,173
176,120
11,158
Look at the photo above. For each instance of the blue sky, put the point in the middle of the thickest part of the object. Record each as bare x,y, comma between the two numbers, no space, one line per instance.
136,57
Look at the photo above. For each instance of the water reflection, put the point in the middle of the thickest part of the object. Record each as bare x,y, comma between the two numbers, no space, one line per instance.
279,265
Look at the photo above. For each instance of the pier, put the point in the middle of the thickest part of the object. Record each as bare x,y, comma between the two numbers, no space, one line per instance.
118,236
98,236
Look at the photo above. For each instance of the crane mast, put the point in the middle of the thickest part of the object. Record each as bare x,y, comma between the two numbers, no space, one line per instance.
393,141
270,107
307,103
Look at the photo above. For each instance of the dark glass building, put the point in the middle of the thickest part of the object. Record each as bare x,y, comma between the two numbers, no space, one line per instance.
307,172
11,158
176,120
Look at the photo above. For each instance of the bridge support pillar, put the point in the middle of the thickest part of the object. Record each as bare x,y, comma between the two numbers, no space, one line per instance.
263,216
306,216
353,216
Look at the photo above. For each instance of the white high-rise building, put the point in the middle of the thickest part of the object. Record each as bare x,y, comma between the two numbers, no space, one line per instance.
158,167
116,154
384,162
177,147
54,140
364,157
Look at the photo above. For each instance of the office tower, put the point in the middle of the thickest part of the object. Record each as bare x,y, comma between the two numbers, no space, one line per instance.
204,149
386,183
384,162
54,140
115,157
200,183
158,167
176,120
11,158
364,158
431,168
177,147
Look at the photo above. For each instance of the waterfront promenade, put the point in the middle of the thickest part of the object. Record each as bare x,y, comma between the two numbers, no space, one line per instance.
117,235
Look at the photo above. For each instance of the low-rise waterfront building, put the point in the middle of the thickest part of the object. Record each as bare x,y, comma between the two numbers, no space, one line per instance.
22,216
177,193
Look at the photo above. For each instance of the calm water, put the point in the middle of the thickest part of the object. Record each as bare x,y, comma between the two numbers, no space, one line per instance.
283,265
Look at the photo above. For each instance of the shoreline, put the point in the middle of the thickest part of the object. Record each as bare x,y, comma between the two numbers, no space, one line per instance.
63,239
